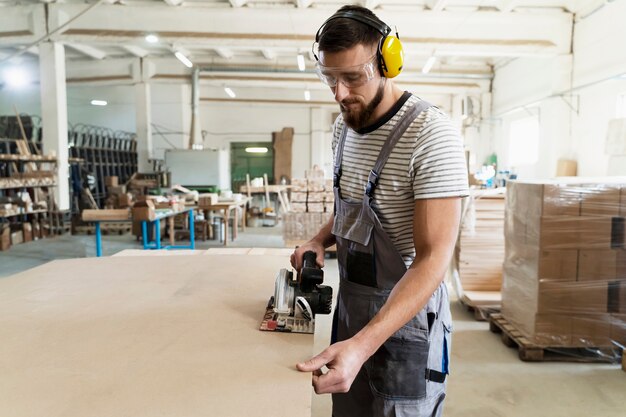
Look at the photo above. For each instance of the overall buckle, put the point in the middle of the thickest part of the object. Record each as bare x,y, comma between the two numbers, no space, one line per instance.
336,177
372,182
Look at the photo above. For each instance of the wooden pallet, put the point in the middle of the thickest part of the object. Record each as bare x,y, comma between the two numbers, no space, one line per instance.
531,352
481,304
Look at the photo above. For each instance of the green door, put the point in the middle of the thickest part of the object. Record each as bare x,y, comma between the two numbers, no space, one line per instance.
245,159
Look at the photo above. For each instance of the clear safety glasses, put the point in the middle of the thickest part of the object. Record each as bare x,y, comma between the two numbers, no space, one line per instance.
351,77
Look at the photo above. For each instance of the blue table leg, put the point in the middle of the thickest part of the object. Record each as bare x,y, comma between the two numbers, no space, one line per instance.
157,223
98,240
144,234
192,237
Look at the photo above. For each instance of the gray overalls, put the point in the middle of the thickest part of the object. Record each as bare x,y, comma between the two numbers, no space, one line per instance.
406,376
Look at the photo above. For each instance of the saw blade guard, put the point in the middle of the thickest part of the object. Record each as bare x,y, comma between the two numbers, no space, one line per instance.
283,292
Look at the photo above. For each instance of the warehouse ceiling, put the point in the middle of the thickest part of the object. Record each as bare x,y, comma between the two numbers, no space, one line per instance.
255,43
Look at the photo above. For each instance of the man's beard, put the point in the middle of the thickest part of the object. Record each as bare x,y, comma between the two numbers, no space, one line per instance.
357,119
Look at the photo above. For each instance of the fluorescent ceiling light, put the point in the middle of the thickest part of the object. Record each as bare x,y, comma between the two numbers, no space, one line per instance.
307,95
16,77
152,38
429,64
256,150
230,92
182,58
99,102
301,64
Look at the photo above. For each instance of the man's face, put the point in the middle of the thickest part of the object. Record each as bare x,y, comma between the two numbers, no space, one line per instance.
354,79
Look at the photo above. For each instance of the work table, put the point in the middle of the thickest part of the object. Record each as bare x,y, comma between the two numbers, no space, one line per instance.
148,336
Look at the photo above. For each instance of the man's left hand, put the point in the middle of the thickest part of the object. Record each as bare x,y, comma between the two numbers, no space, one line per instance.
343,360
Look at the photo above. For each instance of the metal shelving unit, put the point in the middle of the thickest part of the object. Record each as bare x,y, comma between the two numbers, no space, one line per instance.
104,153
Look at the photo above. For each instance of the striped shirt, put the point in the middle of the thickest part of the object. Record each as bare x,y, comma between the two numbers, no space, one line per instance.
427,162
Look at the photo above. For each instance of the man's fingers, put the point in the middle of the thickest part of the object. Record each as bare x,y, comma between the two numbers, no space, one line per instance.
330,382
315,363
320,259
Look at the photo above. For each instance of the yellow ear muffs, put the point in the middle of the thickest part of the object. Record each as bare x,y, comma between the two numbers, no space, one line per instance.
392,56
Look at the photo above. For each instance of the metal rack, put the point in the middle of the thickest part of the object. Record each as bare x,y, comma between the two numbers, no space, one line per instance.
105,153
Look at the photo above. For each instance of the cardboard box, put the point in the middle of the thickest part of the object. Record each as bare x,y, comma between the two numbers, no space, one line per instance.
554,330
601,265
125,200
17,237
36,230
577,232
116,190
315,197
298,197
315,207
207,199
591,297
591,330
27,229
144,210
112,181
561,200
617,297
5,238
298,207
618,328
622,203
558,265
603,200
299,185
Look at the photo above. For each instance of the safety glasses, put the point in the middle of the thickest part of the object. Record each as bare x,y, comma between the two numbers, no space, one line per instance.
351,77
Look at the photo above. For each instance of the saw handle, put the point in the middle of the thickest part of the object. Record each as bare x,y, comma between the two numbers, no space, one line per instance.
309,260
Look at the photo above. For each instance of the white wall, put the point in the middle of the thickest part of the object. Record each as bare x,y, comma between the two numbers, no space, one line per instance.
119,114
231,122
575,97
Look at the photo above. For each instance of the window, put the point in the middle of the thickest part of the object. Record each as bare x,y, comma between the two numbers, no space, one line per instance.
524,141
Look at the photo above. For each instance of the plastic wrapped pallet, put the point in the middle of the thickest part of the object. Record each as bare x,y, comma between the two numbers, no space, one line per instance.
564,280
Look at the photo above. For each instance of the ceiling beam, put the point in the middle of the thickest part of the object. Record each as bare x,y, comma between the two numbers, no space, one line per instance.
136,50
268,54
437,5
173,2
90,51
225,53
507,5
237,3
258,28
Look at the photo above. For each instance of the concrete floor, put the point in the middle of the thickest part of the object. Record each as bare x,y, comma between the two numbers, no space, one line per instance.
487,380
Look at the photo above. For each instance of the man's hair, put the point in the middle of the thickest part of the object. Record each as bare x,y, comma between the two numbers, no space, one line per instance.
344,33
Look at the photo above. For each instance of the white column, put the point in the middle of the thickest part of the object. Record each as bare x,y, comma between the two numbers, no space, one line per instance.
54,115
317,137
143,119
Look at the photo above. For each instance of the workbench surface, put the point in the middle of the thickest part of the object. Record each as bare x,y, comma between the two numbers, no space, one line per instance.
148,336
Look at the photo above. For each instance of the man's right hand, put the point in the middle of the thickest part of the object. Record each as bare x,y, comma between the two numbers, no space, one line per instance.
311,245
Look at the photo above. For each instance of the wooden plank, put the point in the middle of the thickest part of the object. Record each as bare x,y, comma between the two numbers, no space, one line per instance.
146,336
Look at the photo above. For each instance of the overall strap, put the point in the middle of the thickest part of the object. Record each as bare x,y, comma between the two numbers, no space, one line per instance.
339,156
396,133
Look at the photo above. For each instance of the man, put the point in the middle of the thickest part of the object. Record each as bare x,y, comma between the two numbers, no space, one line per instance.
399,175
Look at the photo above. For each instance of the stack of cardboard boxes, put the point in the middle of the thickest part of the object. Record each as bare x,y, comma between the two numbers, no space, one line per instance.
312,204
565,262
313,194
300,227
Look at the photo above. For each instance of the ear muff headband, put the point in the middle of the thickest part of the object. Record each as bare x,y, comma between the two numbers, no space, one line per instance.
390,53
